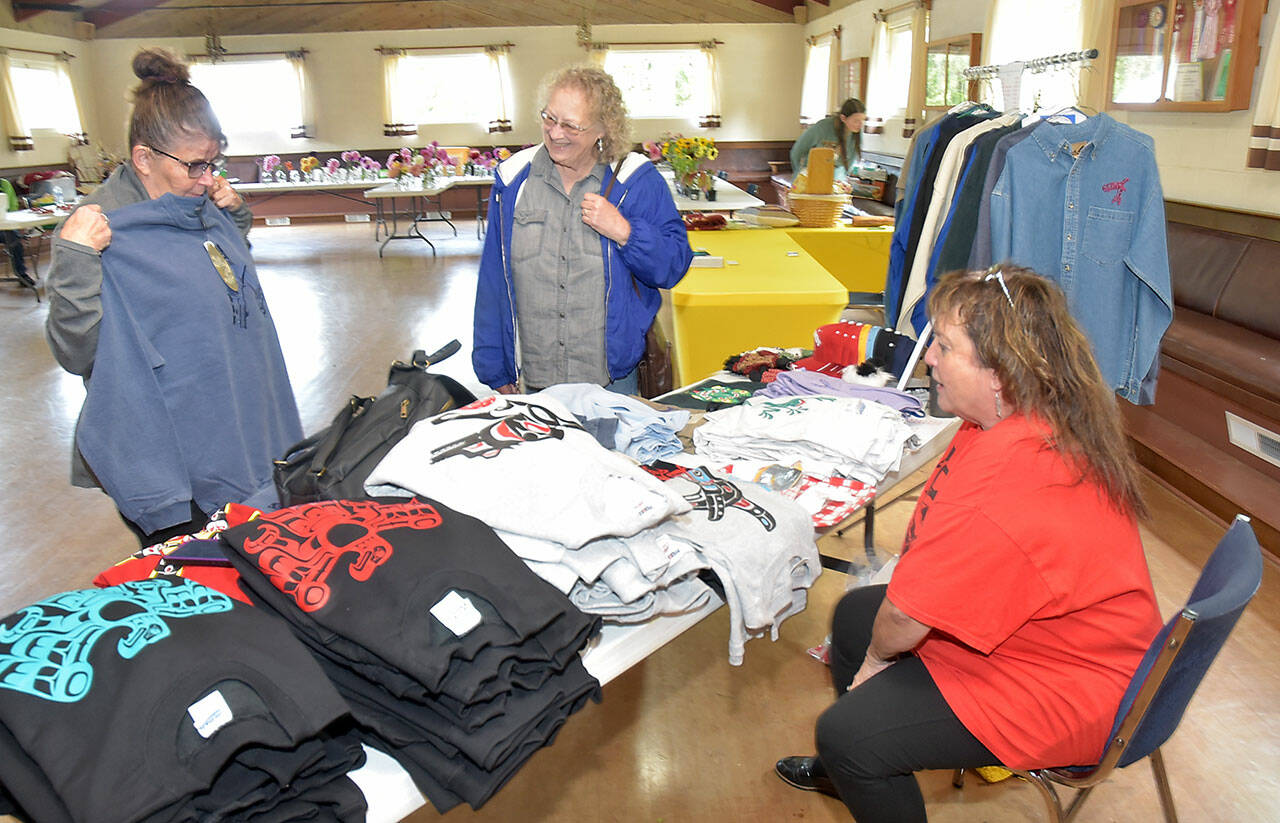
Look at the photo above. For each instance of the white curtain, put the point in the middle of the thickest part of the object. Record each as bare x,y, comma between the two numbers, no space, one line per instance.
306,125
391,124
711,120
500,83
76,132
913,117
879,108
19,137
1264,137
815,93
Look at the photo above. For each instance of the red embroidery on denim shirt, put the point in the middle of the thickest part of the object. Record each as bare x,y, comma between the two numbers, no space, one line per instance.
1117,187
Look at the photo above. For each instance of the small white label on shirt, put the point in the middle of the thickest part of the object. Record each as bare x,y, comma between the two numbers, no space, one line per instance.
210,713
456,613
671,547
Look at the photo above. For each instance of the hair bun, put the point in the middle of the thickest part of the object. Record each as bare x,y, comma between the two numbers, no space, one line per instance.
160,66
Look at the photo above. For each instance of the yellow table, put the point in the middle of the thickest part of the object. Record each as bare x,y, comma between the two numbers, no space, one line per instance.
857,257
775,294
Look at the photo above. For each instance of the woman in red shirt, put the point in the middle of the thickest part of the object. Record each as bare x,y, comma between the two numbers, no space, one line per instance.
1022,603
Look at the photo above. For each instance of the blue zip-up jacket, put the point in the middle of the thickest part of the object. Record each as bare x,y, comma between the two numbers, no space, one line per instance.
656,256
189,399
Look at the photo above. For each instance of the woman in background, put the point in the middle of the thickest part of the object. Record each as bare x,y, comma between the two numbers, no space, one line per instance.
841,130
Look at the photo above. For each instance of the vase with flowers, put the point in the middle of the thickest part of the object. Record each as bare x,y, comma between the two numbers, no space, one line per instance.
269,165
687,156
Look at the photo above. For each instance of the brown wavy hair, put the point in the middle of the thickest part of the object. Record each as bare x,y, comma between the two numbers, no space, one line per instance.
850,107
1046,368
605,100
166,107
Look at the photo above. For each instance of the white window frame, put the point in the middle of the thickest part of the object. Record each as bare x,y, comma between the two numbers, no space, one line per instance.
700,100
44,95
815,90
432,88
262,103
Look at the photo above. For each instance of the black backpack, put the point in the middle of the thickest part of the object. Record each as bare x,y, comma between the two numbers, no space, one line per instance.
332,464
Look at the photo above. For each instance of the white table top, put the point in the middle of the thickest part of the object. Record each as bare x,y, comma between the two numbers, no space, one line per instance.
440,184
284,188
26,219
729,197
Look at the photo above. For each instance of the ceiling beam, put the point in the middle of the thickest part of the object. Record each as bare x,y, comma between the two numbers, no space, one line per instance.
788,6
25,9
113,11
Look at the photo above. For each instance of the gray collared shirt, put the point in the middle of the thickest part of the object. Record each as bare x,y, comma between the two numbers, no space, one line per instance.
558,269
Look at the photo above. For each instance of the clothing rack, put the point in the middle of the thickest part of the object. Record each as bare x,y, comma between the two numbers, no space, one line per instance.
978,72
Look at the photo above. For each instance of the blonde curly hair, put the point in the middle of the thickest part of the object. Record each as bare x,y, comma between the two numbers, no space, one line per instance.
605,101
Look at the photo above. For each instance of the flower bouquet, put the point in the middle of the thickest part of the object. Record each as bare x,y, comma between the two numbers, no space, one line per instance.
269,165
686,156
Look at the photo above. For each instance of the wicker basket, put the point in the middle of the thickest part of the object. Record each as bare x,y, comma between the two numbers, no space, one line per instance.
817,210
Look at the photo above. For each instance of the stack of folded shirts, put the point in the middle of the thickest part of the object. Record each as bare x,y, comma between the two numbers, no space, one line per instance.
825,435
759,545
454,657
166,700
524,465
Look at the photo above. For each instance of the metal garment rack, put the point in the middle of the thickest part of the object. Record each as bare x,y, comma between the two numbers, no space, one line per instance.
1038,64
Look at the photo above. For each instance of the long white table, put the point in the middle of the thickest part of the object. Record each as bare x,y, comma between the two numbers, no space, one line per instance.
729,198
419,210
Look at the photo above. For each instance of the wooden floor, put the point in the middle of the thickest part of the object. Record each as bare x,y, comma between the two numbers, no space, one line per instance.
684,736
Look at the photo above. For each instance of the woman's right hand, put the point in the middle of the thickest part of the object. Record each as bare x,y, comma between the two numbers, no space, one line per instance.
87,226
510,388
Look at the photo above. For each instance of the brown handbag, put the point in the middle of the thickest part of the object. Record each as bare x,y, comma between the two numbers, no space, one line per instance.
654,370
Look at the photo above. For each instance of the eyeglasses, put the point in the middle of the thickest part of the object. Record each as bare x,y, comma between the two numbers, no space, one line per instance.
998,276
550,120
196,168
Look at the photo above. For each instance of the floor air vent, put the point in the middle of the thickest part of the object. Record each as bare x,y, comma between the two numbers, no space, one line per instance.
1253,438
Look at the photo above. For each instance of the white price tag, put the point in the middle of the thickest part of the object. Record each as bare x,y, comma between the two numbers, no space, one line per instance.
456,613
210,713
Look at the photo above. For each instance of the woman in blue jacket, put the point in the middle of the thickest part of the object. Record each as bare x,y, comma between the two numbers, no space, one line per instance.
582,236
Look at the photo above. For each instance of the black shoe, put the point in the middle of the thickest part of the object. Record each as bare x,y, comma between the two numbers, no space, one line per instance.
805,773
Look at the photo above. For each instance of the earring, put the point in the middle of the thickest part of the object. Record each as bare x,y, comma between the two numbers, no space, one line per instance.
999,408
600,145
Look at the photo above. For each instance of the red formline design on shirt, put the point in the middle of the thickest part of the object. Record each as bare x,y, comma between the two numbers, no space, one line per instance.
299,548
1116,186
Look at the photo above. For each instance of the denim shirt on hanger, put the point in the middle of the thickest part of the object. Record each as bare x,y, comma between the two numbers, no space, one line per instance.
1082,204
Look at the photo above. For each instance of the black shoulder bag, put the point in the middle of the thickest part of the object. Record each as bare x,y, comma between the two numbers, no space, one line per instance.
333,463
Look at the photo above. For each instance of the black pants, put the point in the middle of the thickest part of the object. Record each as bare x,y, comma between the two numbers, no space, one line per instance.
197,522
874,737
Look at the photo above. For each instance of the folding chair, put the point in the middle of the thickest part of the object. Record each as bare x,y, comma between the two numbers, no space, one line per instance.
1168,676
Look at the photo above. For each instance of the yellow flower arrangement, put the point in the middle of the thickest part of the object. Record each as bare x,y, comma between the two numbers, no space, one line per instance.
687,155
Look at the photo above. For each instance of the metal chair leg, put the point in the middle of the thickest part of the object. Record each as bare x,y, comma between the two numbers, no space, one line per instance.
1046,791
1162,786
957,778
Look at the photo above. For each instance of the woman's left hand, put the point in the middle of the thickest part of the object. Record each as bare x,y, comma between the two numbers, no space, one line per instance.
601,215
870,668
222,195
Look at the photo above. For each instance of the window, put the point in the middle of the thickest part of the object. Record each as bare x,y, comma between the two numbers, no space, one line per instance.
273,110
434,88
1025,31
667,83
44,95
816,90
896,84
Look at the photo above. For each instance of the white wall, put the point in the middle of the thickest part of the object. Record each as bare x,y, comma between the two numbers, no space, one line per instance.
347,76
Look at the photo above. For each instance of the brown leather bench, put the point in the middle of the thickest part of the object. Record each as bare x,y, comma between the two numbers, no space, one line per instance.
1220,355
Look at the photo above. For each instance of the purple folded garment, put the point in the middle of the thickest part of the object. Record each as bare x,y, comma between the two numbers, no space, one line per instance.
802,382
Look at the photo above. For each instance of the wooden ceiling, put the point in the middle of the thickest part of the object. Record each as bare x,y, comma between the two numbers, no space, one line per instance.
181,18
